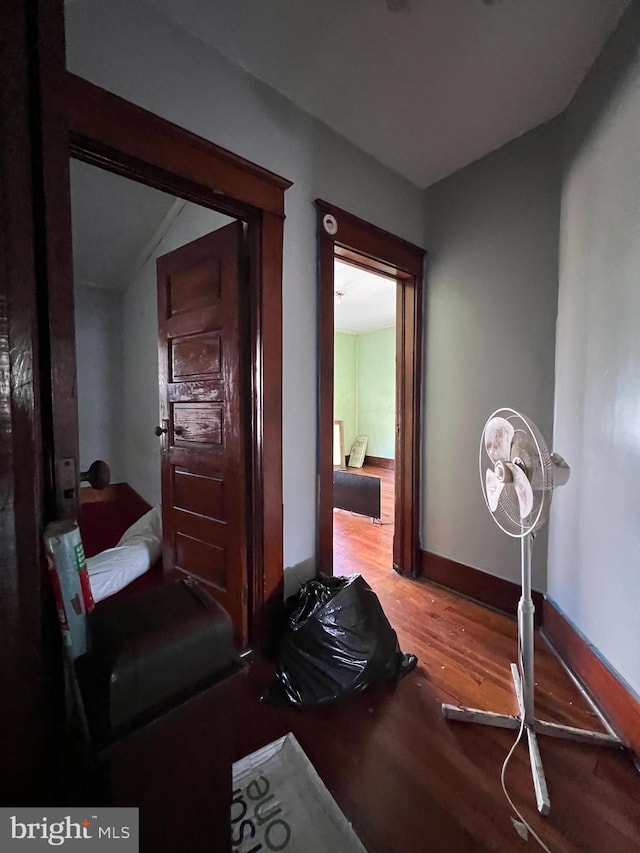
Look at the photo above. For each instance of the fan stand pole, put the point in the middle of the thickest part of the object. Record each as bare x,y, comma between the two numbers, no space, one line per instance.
523,682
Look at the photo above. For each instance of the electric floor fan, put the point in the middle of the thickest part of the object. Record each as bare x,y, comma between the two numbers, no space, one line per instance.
518,475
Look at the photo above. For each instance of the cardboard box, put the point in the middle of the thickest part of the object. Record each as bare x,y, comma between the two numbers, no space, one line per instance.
281,804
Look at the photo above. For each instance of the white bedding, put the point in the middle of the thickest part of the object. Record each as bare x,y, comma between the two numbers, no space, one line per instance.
138,549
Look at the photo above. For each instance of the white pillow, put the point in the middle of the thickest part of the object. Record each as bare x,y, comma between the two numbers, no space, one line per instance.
147,527
138,549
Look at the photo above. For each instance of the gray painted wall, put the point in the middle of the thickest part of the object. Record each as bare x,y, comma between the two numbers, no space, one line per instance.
492,232
98,320
594,541
130,50
492,238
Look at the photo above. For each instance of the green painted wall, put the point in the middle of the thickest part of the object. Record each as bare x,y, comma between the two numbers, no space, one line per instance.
377,391
365,389
345,403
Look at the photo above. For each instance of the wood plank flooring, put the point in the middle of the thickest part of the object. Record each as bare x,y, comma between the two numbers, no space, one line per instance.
409,780
359,543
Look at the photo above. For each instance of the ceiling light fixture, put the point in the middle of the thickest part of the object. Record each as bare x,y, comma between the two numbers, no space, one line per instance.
339,295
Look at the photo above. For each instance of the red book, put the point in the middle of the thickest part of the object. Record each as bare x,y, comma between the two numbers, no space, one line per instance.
68,569
85,583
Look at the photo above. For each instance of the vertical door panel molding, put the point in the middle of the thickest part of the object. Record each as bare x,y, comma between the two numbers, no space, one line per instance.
207,441
362,244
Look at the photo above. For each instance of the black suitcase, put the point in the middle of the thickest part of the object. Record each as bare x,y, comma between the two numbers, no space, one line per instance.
150,651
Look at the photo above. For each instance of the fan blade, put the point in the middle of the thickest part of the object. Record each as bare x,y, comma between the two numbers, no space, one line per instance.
498,435
523,448
494,488
523,489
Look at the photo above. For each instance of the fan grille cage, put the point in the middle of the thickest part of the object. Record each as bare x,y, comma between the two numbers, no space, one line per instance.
531,454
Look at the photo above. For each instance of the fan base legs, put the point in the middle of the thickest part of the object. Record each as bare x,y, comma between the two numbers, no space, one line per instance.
532,727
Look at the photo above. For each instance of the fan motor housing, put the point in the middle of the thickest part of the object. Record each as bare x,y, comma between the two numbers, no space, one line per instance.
502,472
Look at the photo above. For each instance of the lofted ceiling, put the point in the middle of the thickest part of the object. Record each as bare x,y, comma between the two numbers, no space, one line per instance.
425,86
112,219
117,224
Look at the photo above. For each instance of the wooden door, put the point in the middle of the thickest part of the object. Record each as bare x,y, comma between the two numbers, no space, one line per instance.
202,410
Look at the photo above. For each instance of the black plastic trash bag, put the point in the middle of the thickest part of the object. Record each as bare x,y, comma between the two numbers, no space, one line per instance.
337,641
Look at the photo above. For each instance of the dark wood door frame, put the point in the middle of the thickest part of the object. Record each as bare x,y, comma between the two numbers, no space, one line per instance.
25,670
365,245
106,131
46,114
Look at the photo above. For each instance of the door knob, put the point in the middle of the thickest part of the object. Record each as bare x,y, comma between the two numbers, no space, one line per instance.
162,433
98,475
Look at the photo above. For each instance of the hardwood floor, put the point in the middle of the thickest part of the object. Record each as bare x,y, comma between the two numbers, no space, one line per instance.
359,543
409,780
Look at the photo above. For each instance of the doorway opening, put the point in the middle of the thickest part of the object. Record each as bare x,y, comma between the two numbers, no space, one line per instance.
96,127
346,239
159,316
364,411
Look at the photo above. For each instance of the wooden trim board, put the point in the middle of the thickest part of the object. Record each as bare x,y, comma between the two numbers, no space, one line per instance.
102,124
102,129
368,247
380,462
614,699
121,493
493,591
610,694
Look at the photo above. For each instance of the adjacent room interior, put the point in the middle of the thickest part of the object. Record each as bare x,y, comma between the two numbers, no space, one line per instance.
364,409
490,223
119,230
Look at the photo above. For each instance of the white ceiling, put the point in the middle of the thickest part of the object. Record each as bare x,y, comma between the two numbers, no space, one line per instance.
425,86
368,303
